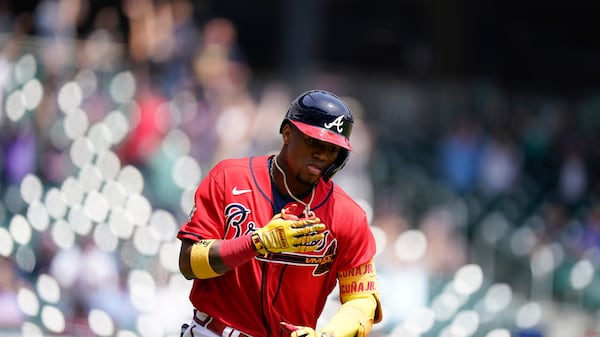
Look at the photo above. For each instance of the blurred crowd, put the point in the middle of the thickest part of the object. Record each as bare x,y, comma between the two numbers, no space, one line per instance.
465,182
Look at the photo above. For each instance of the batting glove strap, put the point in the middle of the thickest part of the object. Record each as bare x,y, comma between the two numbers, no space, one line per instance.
258,245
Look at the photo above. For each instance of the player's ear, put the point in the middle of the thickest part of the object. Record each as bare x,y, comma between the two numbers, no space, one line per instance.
286,130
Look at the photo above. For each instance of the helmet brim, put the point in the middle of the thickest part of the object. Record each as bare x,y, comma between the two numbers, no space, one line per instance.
323,134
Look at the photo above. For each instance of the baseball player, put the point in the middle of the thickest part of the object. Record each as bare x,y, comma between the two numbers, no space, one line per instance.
270,237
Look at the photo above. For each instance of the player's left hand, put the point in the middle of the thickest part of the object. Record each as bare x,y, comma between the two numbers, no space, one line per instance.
301,331
287,232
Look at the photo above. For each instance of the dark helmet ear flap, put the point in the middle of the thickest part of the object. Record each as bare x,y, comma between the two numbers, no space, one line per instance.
339,164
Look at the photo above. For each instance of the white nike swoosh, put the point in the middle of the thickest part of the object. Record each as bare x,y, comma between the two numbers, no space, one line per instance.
235,191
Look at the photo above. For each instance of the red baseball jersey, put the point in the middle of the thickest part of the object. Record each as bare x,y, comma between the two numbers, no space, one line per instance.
237,197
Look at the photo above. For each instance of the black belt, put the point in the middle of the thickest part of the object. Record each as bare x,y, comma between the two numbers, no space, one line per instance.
216,326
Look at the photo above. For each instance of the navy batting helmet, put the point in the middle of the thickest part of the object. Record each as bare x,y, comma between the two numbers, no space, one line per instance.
324,116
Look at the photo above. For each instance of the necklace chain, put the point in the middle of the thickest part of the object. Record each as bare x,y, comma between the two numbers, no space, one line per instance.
307,210
271,171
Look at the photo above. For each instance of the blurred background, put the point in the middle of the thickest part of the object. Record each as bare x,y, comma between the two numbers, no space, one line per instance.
475,154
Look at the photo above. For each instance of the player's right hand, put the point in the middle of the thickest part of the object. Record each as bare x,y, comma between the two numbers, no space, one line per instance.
300,331
288,233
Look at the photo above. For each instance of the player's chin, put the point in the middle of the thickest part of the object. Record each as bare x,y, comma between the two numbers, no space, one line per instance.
310,179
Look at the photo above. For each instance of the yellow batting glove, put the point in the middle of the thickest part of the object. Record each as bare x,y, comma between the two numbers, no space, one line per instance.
288,233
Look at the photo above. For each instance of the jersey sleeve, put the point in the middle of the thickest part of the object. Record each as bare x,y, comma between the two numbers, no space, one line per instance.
205,220
356,242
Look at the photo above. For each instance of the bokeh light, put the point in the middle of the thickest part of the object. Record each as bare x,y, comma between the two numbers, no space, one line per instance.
70,98
79,220
529,315
143,289
53,319
25,68
494,227
29,329
120,223
109,165
498,297
169,256
88,81
6,242
176,144
582,274
31,188
523,241
82,151
445,305
117,125
48,289
468,279
465,324
131,178
15,105
419,321
20,230
543,261
28,302
186,172
73,191
96,206
149,326
411,245
55,203
63,234
105,238
163,225
76,124
101,323
90,177
139,208
37,215
122,87
115,194
100,135
145,242
25,259
32,93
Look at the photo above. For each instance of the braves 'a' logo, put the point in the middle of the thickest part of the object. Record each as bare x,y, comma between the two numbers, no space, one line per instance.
338,123
322,261
235,215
